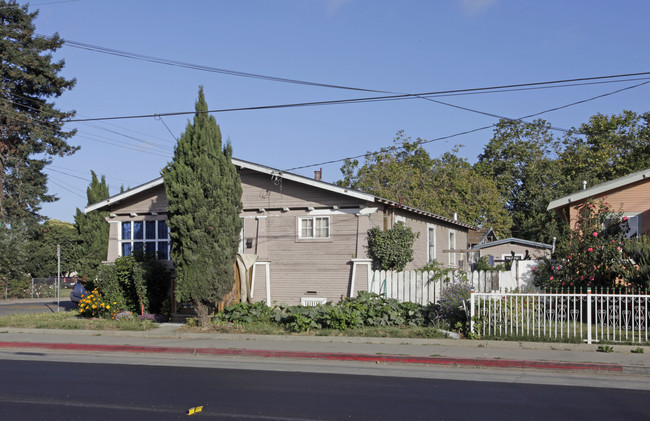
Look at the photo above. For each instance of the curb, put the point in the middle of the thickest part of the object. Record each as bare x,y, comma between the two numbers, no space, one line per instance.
462,362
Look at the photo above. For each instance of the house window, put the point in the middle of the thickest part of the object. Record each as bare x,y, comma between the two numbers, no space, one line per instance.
315,227
634,222
145,236
431,244
452,246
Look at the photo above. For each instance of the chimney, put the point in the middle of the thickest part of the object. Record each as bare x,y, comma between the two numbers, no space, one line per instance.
318,174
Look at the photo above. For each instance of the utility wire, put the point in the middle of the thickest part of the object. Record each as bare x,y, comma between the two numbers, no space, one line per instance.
136,56
422,142
356,100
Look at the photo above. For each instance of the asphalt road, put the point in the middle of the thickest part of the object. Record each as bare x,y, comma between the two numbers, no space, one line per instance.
44,305
34,390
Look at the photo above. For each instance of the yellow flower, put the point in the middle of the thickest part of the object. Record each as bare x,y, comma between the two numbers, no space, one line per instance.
94,306
108,307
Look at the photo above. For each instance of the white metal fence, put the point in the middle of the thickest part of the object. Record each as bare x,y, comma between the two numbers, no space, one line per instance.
590,317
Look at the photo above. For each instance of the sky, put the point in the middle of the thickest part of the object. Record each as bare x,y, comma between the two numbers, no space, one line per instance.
382,46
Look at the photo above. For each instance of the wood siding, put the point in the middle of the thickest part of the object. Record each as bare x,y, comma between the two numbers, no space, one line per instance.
307,268
633,198
261,191
152,200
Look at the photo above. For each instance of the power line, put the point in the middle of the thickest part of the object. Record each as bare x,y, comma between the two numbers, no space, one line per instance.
142,57
393,148
362,100
88,180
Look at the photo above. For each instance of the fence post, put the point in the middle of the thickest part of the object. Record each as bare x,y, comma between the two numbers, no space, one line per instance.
32,288
471,310
589,315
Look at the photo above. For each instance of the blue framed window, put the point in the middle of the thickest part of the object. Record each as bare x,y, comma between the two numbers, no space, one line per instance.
145,236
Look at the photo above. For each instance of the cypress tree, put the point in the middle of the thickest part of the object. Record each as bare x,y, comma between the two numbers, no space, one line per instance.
204,194
92,229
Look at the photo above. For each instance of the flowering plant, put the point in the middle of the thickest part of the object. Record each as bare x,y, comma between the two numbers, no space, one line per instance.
93,305
591,256
453,301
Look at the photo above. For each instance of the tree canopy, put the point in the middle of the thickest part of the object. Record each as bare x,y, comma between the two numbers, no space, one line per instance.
446,185
31,128
521,158
204,193
42,249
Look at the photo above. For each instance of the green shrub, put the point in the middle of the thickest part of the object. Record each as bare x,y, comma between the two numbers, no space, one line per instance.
245,313
368,309
453,302
391,249
137,282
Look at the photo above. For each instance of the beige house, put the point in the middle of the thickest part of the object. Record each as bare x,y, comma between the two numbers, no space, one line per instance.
512,249
309,236
629,194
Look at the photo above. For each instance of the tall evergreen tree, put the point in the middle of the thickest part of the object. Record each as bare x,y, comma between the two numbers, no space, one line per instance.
29,124
204,193
92,229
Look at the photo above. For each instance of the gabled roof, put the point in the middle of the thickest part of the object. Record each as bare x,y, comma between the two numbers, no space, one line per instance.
513,241
599,189
286,176
480,235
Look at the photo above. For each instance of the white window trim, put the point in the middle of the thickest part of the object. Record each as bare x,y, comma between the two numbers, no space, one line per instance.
431,258
452,256
314,218
144,239
636,229
400,218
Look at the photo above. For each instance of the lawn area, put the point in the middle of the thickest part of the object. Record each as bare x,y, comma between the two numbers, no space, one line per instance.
70,320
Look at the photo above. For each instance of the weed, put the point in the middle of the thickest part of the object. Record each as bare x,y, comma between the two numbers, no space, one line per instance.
638,350
605,348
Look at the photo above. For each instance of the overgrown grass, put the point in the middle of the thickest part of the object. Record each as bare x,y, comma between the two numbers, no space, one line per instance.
71,320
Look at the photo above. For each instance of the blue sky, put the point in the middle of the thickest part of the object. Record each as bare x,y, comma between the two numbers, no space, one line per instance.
401,46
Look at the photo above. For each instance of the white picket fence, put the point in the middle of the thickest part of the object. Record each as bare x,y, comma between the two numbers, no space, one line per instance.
423,288
590,317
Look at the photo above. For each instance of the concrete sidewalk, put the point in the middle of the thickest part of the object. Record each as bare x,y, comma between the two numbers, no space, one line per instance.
172,338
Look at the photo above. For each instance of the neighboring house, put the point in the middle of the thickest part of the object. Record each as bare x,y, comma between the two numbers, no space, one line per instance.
481,236
309,236
629,194
512,248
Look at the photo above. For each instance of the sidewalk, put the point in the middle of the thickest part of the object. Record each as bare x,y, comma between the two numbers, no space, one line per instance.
170,338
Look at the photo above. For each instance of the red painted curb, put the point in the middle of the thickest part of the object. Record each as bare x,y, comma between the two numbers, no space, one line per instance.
473,362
